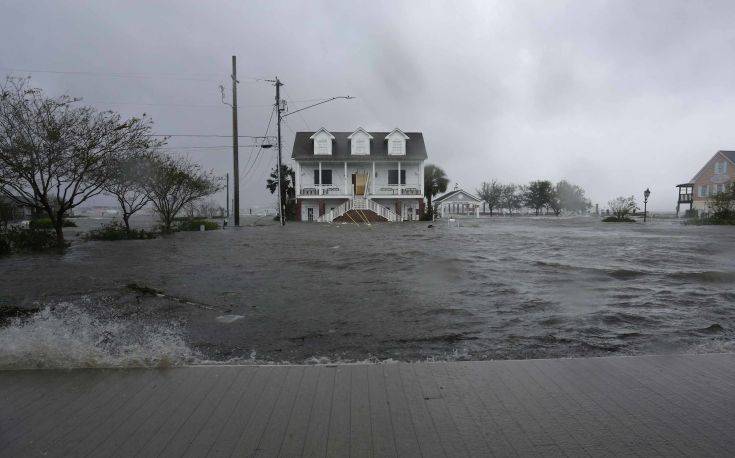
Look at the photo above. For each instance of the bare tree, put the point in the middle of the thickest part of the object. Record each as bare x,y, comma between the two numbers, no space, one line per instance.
126,178
175,182
490,193
53,153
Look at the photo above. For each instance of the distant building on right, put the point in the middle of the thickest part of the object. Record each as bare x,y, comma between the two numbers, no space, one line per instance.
714,177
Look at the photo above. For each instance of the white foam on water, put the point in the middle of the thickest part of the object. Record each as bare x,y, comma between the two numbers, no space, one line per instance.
65,336
228,318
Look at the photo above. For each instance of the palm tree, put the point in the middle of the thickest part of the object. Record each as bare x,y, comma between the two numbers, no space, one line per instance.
288,189
435,181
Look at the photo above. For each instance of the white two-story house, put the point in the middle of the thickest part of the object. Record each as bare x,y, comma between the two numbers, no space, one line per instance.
350,175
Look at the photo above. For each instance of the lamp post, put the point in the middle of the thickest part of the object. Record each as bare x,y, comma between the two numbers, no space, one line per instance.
646,193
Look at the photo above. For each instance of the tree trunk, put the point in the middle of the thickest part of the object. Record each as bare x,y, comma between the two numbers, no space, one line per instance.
126,220
59,228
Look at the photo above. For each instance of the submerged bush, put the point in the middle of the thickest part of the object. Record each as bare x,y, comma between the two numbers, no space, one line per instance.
193,225
17,239
46,223
116,231
615,219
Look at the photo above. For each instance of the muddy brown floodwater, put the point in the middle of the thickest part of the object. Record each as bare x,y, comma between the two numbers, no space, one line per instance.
492,288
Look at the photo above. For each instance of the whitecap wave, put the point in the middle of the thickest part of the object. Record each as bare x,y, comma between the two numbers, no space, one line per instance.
66,336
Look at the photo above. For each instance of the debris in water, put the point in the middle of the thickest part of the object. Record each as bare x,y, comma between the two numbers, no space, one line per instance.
145,290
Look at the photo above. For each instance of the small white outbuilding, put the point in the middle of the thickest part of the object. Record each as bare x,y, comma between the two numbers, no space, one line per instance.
457,202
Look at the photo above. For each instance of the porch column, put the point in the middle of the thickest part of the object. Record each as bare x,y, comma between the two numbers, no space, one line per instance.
421,177
298,178
321,191
399,178
372,180
346,187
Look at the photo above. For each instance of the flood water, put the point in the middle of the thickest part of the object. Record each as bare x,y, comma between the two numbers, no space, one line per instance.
491,288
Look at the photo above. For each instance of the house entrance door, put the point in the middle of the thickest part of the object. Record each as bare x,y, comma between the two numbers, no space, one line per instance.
359,180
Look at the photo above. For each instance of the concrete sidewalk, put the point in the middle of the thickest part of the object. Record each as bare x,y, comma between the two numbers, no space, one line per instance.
644,406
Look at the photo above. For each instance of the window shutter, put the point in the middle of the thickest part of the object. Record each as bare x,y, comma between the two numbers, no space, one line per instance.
316,177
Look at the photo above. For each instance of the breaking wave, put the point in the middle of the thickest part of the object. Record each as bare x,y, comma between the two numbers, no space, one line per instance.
65,336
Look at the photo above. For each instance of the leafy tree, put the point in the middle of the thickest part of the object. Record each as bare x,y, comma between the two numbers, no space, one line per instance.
172,183
288,189
435,182
54,154
490,193
621,207
125,181
571,197
722,204
538,194
510,197
555,203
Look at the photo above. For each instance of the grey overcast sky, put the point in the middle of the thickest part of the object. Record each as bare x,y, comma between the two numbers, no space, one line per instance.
615,96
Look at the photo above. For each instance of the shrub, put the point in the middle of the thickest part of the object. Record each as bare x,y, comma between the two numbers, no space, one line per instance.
45,223
5,248
116,231
621,207
30,239
193,225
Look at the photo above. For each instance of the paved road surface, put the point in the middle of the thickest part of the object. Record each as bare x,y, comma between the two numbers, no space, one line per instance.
643,406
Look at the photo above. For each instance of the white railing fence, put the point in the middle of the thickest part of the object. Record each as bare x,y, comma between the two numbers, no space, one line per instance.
382,211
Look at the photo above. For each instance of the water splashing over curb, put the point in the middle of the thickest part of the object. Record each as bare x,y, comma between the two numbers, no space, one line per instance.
65,336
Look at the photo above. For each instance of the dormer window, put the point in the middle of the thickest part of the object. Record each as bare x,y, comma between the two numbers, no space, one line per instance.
396,143
321,146
322,142
360,146
360,142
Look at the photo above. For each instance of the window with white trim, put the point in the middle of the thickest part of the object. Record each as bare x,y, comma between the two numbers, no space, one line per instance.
360,146
396,147
322,146
702,191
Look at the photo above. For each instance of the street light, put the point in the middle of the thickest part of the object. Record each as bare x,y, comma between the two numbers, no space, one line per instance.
646,193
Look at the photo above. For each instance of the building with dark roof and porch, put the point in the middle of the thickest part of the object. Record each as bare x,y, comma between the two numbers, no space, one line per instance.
359,176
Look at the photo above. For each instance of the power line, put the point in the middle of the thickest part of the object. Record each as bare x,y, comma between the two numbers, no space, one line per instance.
180,105
260,149
206,135
174,76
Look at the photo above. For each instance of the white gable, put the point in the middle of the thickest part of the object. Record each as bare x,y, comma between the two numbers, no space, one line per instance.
396,142
322,142
360,142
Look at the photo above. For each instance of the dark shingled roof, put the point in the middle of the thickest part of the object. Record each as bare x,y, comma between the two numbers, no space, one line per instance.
303,147
729,154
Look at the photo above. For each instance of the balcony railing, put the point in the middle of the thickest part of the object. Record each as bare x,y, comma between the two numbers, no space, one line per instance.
391,190
686,198
322,190
334,190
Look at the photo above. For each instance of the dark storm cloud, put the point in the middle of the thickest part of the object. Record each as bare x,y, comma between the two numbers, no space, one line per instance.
616,96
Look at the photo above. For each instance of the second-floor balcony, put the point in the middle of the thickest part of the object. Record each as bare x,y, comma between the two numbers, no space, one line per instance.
379,191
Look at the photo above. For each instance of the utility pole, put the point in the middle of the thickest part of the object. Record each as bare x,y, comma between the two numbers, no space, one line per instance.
281,206
235,163
279,109
228,197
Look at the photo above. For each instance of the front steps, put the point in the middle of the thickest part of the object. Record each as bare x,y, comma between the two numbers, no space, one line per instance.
360,216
